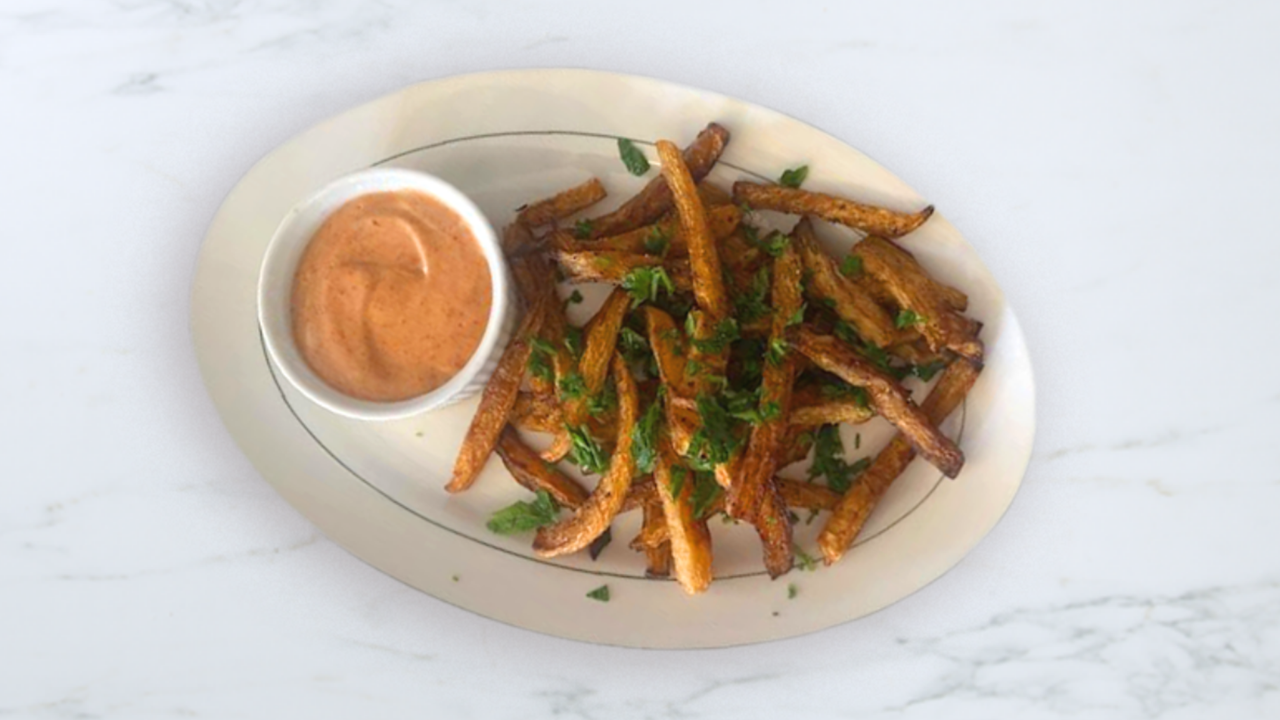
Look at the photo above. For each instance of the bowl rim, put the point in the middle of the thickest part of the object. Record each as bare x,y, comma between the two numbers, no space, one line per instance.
284,251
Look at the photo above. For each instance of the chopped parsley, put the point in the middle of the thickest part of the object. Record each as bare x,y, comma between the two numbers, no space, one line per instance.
705,493
646,283
777,351
751,305
851,266
907,318
797,317
725,332
715,441
523,516
582,229
573,340
575,297
805,561
927,370
637,164
644,437
634,346
774,243
603,401
572,386
792,591
678,475
601,593
657,241
587,453
794,177
540,355
840,390
829,462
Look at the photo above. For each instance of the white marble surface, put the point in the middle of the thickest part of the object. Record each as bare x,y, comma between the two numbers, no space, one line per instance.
1116,166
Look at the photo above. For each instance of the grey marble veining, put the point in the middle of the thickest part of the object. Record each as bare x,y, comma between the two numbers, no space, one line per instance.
1114,164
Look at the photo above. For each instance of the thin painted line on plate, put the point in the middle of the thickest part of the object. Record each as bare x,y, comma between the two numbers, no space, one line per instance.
964,408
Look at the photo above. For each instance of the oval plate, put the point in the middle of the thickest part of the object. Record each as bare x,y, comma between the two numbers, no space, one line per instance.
506,138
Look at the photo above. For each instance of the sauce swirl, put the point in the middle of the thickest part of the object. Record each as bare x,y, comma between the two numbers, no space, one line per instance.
391,297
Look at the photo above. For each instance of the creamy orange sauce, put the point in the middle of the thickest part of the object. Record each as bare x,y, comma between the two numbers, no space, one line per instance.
391,297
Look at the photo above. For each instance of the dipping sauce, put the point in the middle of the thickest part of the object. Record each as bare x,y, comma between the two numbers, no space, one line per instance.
391,297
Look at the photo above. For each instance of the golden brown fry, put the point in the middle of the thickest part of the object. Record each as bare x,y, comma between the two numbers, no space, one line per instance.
954,299
655,199
704,258
806,495
722,221
669,352
516,238
847,299
495,405
829,411
941,326
683,422
796,446
713,196
613,267
762,454
773,525
536,412
562,204
891,401
593,517
534,474
709,361
855,507
867,218
642,491
690,540
598,348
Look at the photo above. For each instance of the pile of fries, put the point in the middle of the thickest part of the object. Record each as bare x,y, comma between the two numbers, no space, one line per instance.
720,356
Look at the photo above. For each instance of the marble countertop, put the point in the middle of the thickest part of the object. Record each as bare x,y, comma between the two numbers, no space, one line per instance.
1113,163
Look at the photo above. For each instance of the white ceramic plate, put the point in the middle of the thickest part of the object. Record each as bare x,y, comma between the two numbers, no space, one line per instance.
505,138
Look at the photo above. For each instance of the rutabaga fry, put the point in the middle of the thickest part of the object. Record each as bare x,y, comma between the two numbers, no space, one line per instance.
598,349
593,517
536,412
690,540
614,267
662,238
655,199
867,218
668,348
704,258
851,513
495,404
534,474
846,298
915,292
890,400
562,204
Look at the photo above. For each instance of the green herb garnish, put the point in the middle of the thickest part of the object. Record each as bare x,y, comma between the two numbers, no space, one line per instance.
657,242
907,318
926,371
805,561
637,164
751,305
573,340
851,266
678,475
715,441
829,462
725,332
792,591
644,437
572,386
645,283
586,453
705,493
774,243
582,229
601,593
603,401
795,177
777,351
523,516
797,317
575,297
540,355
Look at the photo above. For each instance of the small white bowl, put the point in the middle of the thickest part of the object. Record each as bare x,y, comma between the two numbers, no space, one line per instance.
275,286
